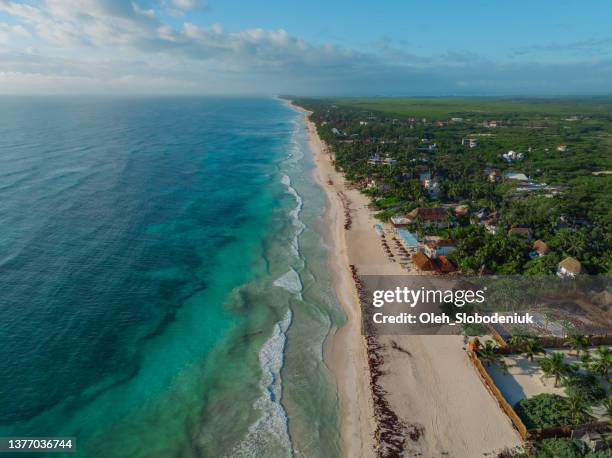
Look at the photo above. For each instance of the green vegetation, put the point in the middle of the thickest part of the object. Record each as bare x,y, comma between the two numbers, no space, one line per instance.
488,352
579,343
563,143
440,108
601,361
547,411
566,448
554,366
585,386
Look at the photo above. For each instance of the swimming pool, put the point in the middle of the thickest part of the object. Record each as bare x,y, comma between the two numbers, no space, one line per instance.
409,238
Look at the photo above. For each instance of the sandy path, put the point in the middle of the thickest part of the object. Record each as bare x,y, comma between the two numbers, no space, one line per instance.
435,386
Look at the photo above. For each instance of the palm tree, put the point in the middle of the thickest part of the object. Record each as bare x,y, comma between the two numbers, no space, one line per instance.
586,358
533,347
579,409
554,366
579,343
518,341
487,352
601,362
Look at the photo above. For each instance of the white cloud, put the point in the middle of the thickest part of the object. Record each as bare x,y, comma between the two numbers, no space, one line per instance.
10,33
106,45
189,5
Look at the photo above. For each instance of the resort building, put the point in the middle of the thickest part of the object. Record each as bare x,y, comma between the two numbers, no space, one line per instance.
520,232
444,266
511,176
470,142
400,221
437,216
540,248
422,262
569,268
436,248
562,148
377,159
512,156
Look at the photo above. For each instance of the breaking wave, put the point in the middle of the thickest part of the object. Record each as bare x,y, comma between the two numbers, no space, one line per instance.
270,431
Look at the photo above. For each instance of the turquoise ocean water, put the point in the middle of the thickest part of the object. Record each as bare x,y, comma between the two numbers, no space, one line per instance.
163,281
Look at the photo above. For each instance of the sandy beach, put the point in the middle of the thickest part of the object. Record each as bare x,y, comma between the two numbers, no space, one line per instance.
428,382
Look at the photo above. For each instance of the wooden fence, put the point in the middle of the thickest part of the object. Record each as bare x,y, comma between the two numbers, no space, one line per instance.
501,400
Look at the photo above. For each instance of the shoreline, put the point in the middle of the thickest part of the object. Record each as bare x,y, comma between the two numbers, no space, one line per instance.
344,351
426,383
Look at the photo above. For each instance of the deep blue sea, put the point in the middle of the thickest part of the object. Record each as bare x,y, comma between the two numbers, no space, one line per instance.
163,282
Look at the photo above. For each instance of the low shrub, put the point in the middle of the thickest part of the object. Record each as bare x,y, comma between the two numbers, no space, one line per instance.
543,411
561,448
586,387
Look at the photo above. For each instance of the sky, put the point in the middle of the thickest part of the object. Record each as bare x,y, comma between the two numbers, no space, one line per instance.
314,47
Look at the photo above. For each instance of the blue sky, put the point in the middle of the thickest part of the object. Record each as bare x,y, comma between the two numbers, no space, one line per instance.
306,47
427,26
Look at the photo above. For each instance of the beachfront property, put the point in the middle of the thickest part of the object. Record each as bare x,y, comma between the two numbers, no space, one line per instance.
539,382
435,247
440,265
436,217
408,239
569,268
422,262
400,221
428,217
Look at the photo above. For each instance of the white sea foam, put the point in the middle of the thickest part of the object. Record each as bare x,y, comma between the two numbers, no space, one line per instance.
291,282
295,214
269,435
295,151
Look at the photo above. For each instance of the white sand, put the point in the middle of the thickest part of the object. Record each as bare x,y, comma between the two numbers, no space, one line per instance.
524,379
